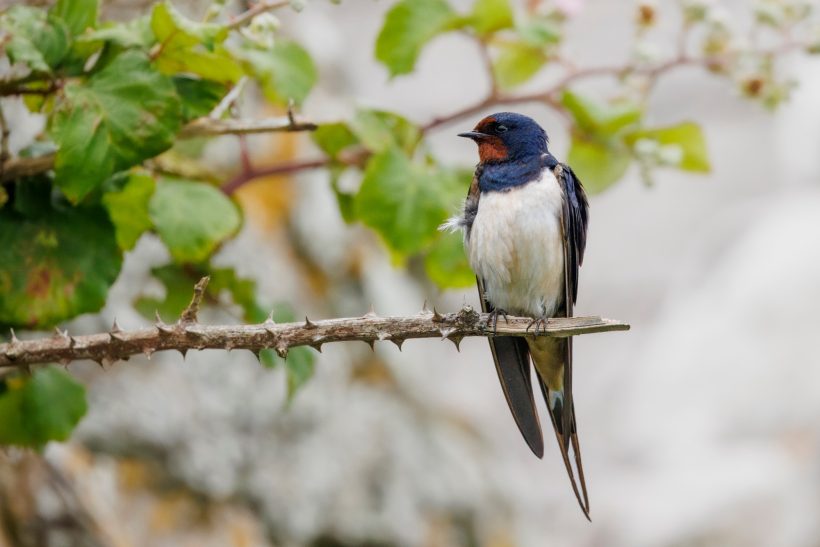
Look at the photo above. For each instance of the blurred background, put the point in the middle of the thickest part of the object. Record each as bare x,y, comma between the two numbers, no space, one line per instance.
699,426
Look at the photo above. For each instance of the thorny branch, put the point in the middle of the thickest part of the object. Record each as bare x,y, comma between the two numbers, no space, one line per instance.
187,333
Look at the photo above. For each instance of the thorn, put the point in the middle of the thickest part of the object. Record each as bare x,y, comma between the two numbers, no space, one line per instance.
256,354
371,313
183,352
424,310
456,340
317,343
60,333
371,343
65,361
398,342
269,320
116,326
99,362
229,346
148,352
108,361
437,317
161,326
282,351
14,339
309,324
71,341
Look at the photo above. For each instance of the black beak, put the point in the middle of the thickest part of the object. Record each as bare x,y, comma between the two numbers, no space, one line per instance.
475,135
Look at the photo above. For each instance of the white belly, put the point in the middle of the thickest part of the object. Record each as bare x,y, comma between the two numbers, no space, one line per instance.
515,245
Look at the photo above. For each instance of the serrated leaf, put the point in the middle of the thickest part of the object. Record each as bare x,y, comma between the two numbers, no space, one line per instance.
489,16
122,115
402,201
332,138
199,97
379,130
79,15
600,119
192,218
34,38
597,164
516,63
285,71
688,136
446,262
41,408
408,26
128,208
55,264
191,47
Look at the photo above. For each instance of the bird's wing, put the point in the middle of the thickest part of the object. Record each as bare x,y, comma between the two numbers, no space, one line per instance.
574,218
510,353
512,363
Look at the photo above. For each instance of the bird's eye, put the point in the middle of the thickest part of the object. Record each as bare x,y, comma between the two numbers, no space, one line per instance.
501,129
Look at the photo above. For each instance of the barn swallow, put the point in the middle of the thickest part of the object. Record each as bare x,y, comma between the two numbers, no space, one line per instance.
525,225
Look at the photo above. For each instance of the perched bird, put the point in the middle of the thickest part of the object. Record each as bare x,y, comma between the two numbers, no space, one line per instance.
525,225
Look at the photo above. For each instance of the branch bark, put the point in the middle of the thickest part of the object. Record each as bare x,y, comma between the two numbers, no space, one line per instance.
187,333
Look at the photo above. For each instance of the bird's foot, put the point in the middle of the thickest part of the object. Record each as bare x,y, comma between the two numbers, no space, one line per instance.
538,323
493,318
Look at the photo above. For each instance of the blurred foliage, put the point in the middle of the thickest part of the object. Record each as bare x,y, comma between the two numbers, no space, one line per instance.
116,94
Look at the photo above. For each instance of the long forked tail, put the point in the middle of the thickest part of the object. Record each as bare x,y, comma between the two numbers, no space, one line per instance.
552,359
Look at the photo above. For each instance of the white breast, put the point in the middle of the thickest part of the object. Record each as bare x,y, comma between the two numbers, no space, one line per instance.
515,245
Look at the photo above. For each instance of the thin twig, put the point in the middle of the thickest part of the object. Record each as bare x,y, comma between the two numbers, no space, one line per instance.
201,127
261,7
229,100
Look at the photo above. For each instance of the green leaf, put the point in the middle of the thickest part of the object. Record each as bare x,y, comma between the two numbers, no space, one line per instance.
687,135
124,114
199,97
599,119
516,63
190,47
597,164
135,33
54,263
332,138
540,32
299,367
408,26
446,262
345,200
192,218
128,208
34,38
285,71
378,130
79,15
41,408
402,201
489,16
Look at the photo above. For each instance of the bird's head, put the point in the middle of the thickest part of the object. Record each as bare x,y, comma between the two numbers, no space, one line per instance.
507,136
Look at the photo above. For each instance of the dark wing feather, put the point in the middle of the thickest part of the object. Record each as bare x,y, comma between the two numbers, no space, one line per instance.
512,363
